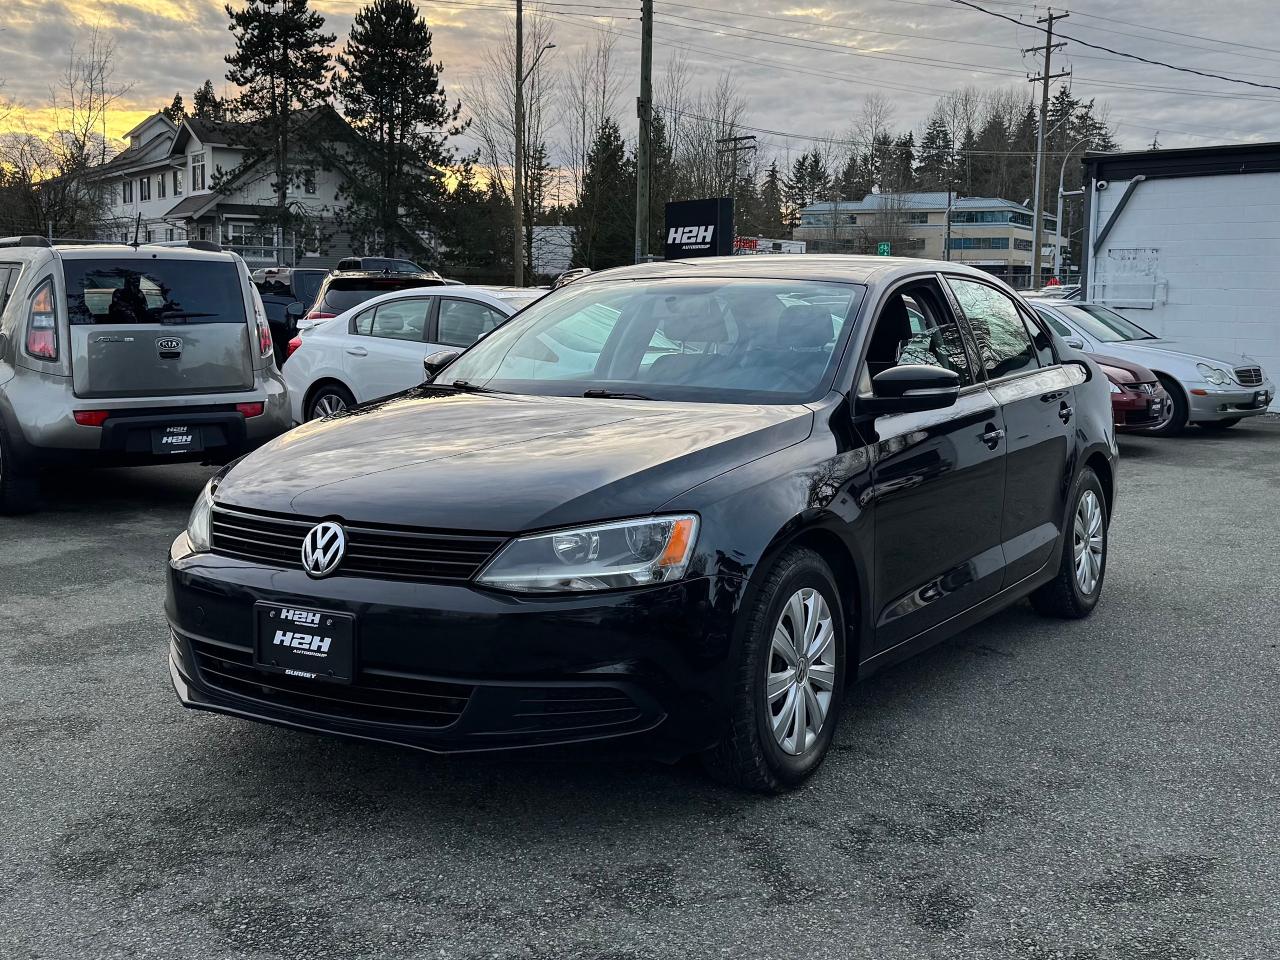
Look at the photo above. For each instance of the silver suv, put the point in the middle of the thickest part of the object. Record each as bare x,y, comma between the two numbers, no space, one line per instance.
113,354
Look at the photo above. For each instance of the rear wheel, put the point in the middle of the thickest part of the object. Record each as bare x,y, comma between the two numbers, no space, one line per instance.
329,399
1175,420
1216,426
19,489
1074,592
789,686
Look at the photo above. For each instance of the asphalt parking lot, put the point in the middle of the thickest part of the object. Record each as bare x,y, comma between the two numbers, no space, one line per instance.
1032,789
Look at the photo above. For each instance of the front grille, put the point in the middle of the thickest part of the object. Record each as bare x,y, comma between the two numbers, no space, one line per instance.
377,696
574,708
1249,376
381,551
1145,387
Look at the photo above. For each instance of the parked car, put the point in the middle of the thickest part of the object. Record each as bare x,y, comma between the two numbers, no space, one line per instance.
576,273
377,348
1138,401
383,265
302,283
690,549
283,313
114,354
1061,291
1215,393
342,291
517,297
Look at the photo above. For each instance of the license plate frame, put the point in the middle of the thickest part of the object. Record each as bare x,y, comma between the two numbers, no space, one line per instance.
176,438
290,639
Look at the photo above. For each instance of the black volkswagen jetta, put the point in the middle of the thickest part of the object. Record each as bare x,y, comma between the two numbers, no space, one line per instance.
676,504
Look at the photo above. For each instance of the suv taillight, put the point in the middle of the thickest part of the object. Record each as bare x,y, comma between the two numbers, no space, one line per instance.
42,325
264,337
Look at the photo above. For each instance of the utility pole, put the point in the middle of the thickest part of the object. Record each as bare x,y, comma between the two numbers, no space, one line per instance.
517,190
731,147
1045,79
644,110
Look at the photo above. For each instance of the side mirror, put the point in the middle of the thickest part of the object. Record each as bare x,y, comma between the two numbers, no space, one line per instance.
438,361
1075,343
911,387
295,310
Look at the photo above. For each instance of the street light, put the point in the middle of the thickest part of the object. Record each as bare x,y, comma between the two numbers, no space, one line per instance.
1062,172
517,175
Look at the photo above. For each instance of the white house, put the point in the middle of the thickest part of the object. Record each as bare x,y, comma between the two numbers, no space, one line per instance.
161,187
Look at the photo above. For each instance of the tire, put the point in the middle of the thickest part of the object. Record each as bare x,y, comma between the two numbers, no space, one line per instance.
1217,426
334,396
1070,594
1177,421
19,487
750,755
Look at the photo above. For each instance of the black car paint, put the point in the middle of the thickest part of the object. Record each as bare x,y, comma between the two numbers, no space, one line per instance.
906,509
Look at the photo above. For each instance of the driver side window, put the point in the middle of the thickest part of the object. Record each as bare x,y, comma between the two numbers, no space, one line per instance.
914,326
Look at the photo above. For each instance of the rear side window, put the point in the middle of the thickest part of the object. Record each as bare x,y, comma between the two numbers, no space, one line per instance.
153,291
998,329
8,280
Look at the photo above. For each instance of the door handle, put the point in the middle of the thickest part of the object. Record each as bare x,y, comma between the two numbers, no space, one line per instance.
993,436
1065,411
357,351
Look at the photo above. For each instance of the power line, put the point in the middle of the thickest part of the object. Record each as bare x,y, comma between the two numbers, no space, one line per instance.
1176,33
1121,53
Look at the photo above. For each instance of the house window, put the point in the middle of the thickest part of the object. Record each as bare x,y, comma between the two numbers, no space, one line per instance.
204,232
168,233
309,181
177,183
124,237
144,189
160,185
914,217
126,192
979,243
149,236
1020,244
197,171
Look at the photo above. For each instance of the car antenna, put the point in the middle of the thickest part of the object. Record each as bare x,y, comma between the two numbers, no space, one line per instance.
137,228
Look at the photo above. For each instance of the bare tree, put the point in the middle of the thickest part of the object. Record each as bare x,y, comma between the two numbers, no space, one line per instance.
695,125
872,133
591,97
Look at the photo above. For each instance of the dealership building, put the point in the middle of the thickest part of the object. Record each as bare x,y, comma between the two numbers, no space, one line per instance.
985,232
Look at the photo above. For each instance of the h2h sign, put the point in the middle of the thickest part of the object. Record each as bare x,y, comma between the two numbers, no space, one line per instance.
699,228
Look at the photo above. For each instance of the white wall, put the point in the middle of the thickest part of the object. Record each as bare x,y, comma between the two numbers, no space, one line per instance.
1208,251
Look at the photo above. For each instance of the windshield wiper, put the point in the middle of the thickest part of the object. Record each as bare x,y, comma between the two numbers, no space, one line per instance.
598,393
466,386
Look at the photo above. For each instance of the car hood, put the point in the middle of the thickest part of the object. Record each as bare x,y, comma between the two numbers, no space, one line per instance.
504,462
1174,350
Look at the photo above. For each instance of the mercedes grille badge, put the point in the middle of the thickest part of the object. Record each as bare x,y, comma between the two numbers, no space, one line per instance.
323,548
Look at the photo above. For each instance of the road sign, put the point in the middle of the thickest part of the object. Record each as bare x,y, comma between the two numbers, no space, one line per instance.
882,248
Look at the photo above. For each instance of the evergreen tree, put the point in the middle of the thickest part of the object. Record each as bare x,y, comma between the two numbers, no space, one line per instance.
604,228
206,104
855,179
899,171
175,111
934,167
662,181
390,90
280,63
771,220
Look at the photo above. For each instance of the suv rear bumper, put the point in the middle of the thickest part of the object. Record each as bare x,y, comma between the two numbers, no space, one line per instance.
40,420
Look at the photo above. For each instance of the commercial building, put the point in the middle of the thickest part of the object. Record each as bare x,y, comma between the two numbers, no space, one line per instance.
985,232
1187,244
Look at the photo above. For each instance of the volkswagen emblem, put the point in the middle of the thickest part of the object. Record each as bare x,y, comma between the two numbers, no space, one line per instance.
323,548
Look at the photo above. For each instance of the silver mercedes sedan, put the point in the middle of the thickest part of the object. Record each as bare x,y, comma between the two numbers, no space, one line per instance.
1212,392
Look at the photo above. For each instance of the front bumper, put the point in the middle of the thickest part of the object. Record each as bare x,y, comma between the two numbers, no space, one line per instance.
1230,401
451,669
1138,407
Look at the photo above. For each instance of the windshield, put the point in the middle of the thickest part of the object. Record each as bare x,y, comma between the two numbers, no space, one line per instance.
1105,326
714,340
153,290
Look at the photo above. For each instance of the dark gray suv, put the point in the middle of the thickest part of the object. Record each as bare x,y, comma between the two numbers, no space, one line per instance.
114,354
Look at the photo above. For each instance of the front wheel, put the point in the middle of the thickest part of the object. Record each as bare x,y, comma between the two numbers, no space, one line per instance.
789,685
1175,419
1074,591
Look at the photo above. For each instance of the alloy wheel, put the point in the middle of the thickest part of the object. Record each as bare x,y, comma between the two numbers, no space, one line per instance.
327,406
802,671
1089,542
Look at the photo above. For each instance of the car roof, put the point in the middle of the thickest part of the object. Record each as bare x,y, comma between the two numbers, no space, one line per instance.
787,266
123,251
410,293
380,274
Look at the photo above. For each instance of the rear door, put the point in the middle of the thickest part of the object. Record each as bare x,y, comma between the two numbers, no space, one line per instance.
461,322
385,347
153,326
1037,398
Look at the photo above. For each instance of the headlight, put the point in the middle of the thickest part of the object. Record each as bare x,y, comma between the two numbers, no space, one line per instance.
1214,375
199,522
630,553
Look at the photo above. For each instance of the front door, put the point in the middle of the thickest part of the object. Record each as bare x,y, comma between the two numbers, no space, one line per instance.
1037,398
937,478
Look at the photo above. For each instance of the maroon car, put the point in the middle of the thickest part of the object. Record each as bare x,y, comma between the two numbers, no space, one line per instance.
1138,401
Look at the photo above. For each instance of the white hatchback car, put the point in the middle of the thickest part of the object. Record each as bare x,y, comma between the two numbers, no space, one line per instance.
376,349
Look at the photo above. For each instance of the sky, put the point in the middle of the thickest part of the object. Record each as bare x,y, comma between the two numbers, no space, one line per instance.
804,69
